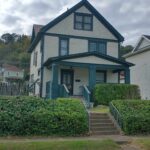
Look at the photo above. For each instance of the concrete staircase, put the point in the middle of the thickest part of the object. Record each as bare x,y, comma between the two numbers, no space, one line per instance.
102,124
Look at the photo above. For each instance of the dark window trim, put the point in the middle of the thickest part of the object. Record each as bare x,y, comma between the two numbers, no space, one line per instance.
97,41
105,74
63,38
35,57
84,15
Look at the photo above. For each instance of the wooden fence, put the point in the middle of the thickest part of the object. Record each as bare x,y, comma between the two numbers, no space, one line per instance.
13,89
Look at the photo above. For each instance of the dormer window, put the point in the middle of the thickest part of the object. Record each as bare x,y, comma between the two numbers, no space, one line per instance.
83,21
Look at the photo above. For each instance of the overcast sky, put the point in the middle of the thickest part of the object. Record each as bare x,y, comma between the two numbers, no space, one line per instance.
130,17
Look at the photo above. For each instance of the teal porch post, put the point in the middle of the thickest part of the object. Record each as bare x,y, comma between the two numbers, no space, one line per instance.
127,76
54,85
92,76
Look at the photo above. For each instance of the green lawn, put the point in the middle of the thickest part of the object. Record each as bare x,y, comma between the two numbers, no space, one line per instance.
143,143
61,145
100,109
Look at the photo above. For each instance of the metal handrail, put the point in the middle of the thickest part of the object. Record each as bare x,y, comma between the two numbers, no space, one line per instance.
86,95
87,90
66,89
117,116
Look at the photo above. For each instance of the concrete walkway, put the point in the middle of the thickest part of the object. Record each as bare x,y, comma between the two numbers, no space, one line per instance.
117,138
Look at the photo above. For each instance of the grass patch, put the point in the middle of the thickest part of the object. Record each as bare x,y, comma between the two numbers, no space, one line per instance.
61,145
143,143
100,109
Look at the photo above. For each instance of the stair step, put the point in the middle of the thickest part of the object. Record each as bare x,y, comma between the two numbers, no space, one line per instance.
112,132
98,114
103,128
103,124
100,121
99,117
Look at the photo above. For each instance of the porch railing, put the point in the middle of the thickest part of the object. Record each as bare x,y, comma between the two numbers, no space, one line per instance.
117,116
86,95
64,92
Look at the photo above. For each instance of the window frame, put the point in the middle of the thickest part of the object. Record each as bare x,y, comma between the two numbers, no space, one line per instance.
35,57
83,15
97,43
67,39
105,75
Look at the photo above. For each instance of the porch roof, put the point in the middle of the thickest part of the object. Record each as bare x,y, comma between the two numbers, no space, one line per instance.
80,55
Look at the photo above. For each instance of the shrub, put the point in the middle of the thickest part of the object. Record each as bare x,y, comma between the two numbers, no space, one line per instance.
105,93
36,116
135,116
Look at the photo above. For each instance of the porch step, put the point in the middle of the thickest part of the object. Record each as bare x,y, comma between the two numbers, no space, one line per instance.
101,124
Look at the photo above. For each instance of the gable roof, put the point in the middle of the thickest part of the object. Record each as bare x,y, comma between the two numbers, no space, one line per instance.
110,58
147,36
36,29
72,10
11,68
141,50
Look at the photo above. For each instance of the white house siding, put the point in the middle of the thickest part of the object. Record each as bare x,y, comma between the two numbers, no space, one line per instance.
51,47
92,60
66,26
140,73
78,46
112,49
34,69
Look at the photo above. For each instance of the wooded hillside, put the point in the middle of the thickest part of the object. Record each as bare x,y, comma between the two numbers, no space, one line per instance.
13,50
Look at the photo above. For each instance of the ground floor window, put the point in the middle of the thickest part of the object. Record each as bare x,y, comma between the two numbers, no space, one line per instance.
100,76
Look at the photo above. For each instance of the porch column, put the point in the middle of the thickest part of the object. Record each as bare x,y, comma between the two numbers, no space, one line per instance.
127,76
92,76
54,90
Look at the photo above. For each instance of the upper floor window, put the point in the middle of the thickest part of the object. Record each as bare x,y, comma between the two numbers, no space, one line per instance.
63,46
83,21
98,46
35,58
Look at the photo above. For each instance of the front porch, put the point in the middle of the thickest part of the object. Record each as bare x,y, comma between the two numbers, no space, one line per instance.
69,78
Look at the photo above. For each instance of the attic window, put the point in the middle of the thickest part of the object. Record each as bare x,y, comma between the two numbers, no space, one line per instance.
83,21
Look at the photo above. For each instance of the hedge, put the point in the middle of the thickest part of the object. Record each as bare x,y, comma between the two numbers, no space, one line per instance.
105,93
35,116
135,115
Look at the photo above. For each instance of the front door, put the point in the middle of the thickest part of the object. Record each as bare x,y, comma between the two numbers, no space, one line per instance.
67,79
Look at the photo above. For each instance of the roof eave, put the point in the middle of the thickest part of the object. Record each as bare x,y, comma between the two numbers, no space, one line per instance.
57,59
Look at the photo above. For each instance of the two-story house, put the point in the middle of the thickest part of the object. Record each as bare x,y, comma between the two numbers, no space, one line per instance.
77,49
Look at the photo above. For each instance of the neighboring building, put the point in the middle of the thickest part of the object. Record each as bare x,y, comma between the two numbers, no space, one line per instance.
80,47
140,73
10,73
